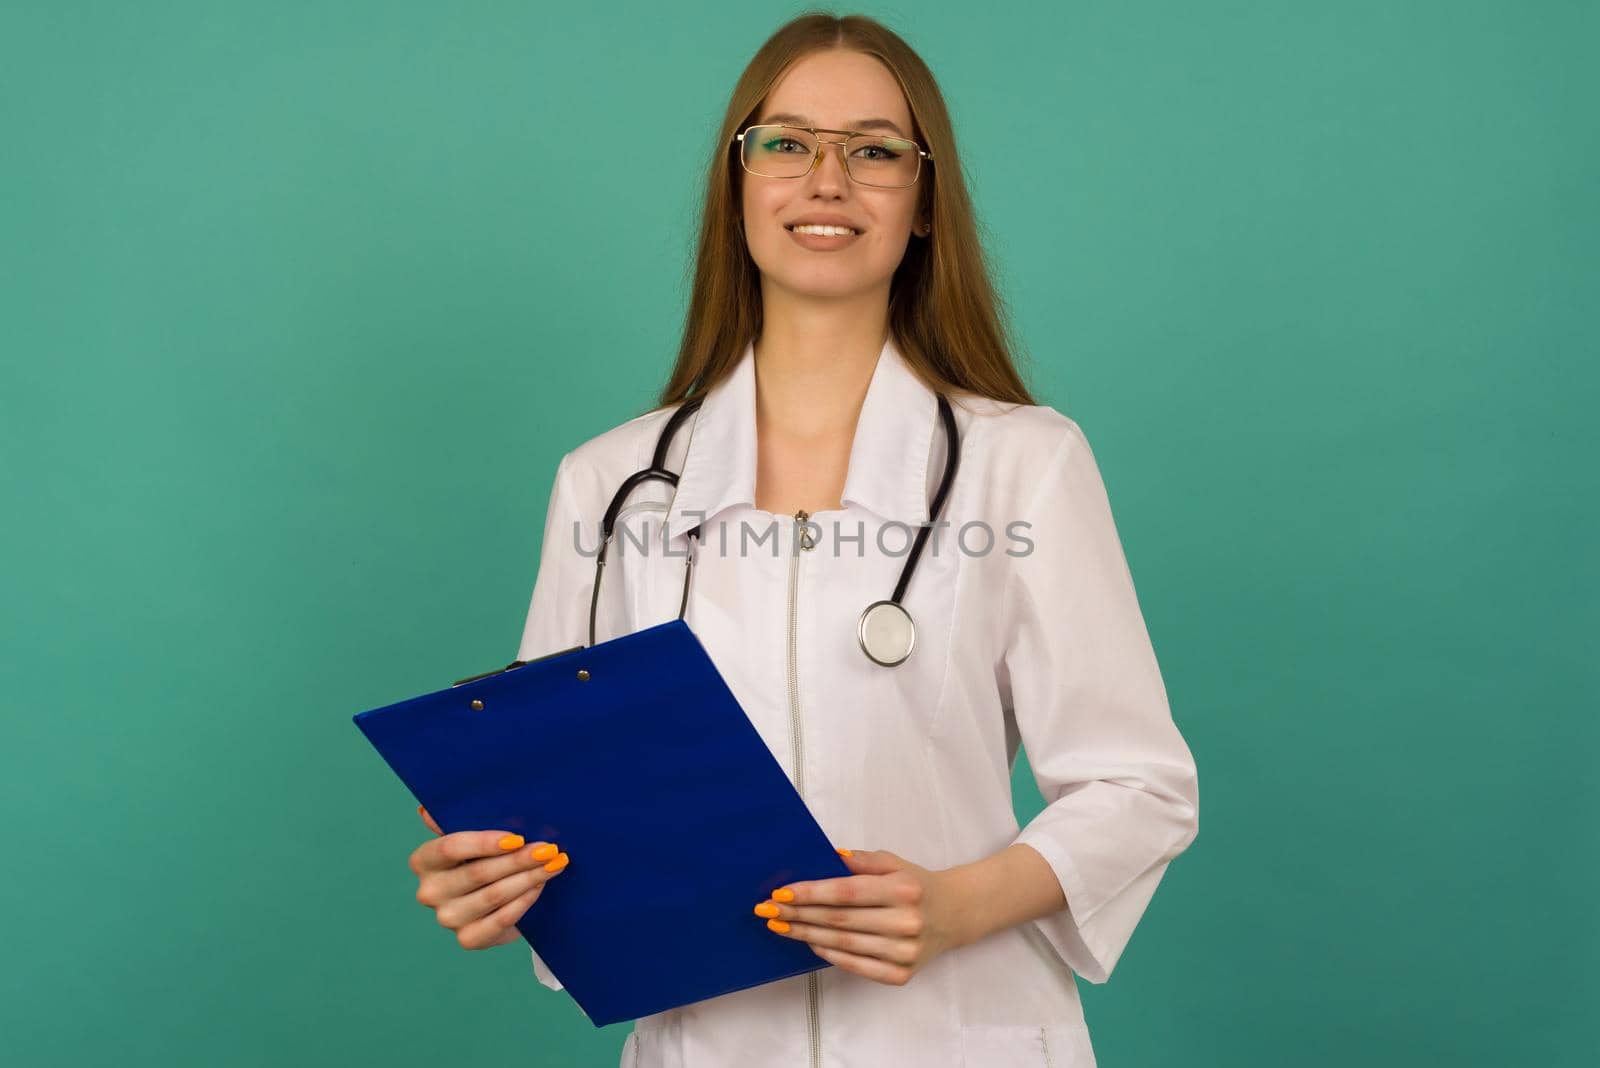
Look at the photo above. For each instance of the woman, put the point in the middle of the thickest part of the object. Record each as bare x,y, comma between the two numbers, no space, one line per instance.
817,357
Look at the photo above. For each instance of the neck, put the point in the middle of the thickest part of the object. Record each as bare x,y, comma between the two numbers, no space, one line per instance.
814,361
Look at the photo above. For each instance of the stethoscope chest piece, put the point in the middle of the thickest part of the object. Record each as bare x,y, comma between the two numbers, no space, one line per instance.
886,633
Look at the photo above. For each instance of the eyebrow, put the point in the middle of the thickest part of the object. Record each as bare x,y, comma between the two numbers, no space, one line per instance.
787,119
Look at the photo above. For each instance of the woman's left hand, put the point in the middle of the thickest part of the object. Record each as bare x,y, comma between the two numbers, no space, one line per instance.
885,921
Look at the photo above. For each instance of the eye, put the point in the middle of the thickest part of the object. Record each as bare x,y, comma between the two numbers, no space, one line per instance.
770,145
882,153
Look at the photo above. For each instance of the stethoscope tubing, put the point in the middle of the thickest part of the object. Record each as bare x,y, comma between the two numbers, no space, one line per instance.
903,631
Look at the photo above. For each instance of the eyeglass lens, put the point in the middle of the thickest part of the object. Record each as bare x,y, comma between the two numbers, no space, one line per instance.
871,159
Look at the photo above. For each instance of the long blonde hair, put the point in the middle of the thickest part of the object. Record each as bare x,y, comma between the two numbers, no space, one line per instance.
943,310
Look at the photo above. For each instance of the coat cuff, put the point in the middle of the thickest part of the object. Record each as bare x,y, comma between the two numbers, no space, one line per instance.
542,970
1087,949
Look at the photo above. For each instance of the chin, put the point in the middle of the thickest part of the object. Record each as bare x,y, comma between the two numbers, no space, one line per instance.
822,280
828,289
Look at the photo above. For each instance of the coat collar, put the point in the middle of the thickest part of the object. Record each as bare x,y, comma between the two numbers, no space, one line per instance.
888,457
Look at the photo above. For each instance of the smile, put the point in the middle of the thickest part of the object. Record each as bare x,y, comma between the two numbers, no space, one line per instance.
816,238
823,231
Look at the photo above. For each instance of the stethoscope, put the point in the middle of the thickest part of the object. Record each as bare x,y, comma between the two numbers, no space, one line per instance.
885,631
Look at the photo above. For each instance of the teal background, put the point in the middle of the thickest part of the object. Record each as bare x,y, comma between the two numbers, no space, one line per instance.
300,304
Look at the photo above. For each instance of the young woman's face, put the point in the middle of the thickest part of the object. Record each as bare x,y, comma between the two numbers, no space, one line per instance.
831,90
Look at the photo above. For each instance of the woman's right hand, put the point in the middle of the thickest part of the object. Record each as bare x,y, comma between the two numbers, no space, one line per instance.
479,883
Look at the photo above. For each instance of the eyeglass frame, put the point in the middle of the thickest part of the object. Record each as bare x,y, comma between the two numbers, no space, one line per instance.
816,157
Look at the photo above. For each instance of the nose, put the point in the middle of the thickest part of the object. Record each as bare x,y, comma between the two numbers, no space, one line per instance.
828,169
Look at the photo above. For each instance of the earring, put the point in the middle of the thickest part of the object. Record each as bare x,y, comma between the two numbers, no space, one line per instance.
927,228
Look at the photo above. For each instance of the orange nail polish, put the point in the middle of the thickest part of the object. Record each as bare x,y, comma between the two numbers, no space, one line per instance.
785,895
544,851
778,925
767,909
511,841
558,863
843,852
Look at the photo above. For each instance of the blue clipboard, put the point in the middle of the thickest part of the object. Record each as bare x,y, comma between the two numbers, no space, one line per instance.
635,757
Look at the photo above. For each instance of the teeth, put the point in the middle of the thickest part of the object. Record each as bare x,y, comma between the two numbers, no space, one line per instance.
825,231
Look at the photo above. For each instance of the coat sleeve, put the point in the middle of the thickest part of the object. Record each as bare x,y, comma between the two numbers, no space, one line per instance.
1080,677
558,615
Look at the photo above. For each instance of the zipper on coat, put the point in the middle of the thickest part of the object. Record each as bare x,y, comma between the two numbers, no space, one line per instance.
803,540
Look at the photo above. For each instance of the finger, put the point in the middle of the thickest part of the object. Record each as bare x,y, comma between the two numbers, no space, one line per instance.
868,967
849,890
452,850
465,878
894,921
461,912
509,935
499,927
507,915
432,826
873,862
897,951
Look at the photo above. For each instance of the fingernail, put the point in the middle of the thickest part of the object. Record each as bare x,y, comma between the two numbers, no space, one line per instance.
558,863
778,925
544,851
766,908
785,895
511,841
843,852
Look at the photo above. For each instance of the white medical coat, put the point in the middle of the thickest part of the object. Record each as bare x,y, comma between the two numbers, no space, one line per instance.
1038,640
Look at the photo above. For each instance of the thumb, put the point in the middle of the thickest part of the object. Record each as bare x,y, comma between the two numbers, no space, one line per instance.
872,862
432,826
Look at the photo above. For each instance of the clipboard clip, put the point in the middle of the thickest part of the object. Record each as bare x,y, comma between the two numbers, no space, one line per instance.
516,664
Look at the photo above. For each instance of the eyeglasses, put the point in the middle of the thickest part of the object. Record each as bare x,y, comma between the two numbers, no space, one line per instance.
794,151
